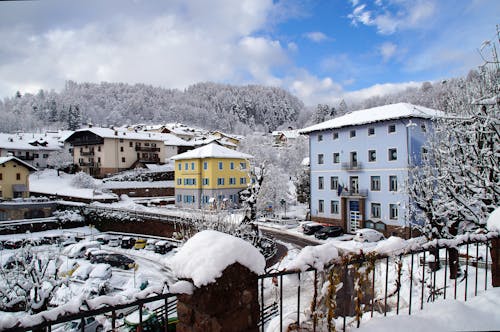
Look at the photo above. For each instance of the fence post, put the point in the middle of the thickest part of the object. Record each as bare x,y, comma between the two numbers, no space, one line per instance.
228,304
495,262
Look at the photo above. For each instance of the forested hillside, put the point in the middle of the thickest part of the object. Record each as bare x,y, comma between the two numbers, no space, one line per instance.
237,109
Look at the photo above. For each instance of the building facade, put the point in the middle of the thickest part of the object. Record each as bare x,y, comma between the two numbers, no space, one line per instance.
210,176
360,166
14,178
103,151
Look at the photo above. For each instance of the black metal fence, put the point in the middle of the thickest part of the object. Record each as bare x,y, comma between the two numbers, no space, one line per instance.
162,317
368,285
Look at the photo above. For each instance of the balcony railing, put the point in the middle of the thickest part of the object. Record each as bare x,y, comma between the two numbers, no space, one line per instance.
87,164
26,157
147,149
87,153
149,160
352,166
355,192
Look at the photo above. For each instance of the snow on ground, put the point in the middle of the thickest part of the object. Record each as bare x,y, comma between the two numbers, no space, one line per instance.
477,314
47,182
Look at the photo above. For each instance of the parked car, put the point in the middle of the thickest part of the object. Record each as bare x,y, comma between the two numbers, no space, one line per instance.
51,239
101,272
69,241
13,244
150,322
150,244
103,238
162,247
140,244
91,325
82,272
120,313
368,235
311,228
114,242
95,252
127,242
78,250
329,231
115,260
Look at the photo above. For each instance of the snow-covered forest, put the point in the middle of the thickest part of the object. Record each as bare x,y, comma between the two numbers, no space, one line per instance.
236,109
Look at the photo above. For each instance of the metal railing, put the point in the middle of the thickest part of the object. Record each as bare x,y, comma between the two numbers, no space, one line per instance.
351,166
355,192
387,288
166,316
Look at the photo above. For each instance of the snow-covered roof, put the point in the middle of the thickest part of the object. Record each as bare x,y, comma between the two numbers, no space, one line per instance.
212,150
376,114
287,133
30,142
172,140
3,160
207,254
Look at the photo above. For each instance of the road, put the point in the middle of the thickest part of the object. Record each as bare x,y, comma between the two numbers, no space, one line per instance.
298,241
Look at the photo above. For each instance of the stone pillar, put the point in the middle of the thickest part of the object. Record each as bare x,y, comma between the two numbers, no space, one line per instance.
229,304
495,262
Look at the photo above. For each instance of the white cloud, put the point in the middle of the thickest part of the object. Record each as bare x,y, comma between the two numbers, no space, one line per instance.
380,90
313,90
397,15
387,50
316,36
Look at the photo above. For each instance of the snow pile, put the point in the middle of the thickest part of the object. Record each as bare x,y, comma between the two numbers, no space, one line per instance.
392,246
206,255
493,222
314,256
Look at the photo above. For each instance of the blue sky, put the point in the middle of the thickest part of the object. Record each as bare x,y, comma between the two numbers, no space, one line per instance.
321,51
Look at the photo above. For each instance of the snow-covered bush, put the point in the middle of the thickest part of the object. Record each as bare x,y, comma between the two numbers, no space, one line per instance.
68,216
83,180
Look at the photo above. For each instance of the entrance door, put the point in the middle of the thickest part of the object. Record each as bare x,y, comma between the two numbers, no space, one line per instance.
354,216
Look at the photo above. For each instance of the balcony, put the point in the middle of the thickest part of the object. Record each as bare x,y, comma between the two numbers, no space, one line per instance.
86,153
147,149
26,157
87,164
149,160
352,166
355,193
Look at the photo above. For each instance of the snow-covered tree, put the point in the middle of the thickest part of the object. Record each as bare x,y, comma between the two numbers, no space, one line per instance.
83,180
60,160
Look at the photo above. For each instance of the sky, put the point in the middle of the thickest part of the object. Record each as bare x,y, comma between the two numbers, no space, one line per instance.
321,51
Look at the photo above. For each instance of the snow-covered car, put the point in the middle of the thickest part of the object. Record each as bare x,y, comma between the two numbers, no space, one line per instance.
78,249
114,242
91,325
162,247
103,238
127,242
83,271
150,244
115,260
311,228
100,272
69,242
329,231
368,235
13,244
140,244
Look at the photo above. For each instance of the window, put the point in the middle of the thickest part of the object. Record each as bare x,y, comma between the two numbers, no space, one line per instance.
18,176
375,183
231,165
375,210
371,131
335,135
123,159
321,183
369,224
391,128
243,180
98,148
179,181
424,153
1,176
130,144
354,158
372,155
334,182
321,206
36,155
45,155
205,181
334,207
220,165
121,140
179,198
180,166
393,183
220,181
232,180
186,166
121,148
393,154
243,165
393,211
320,159
336,158
320,138
98,159
205,165
380,226
423,128
352,133
192,166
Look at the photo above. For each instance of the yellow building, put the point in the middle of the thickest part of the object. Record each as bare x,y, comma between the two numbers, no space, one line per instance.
210,174
14,178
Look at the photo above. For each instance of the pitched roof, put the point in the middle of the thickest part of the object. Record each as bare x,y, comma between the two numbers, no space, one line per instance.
3,160
29,142
212,150
375,114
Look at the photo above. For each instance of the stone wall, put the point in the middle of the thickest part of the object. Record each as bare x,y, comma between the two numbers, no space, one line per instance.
229,304
144,192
